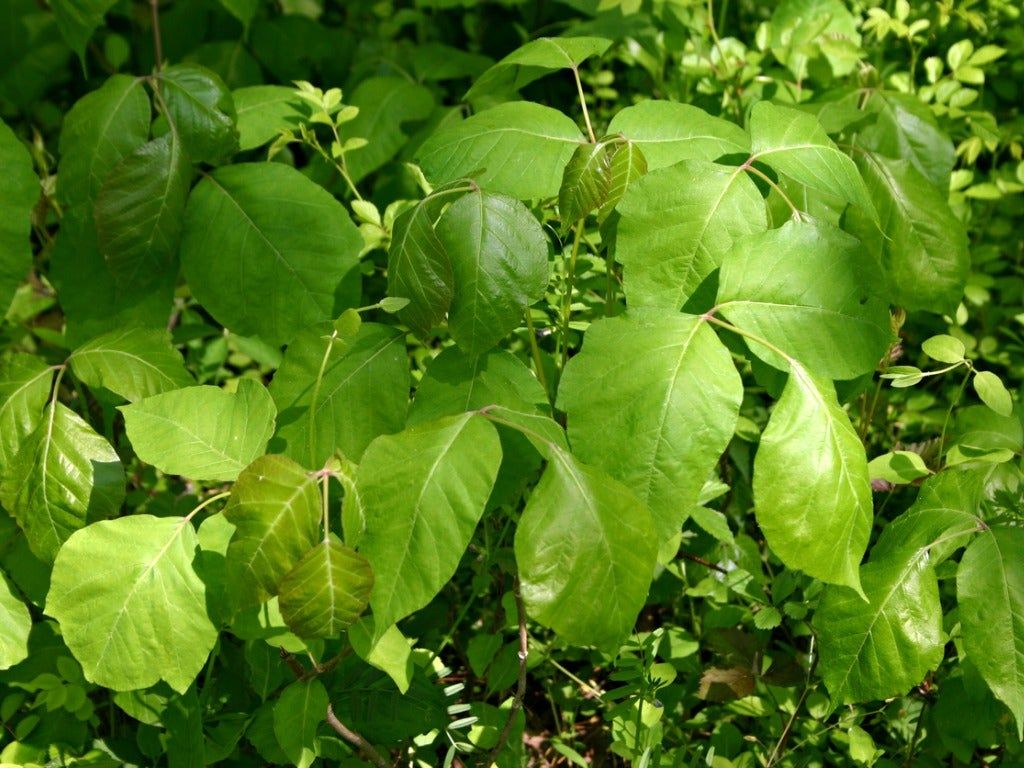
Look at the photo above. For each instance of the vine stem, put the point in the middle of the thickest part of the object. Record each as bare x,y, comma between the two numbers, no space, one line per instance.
709,316
583,104
570,280
325,479
780,745
520,694
949,413
158,46
204,504
538,364
797,214
353,738
316,394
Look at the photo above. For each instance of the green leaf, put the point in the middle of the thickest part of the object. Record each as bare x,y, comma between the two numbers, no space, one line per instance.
586,550
203,432
491,145
803,31
64,477
243,10
263,111
627,165
899,467
269,232
134,363
18,195
423,492
275,508
24,388
102,128
363,393
993,393
139,211
141,617
990,593
391,653
668,133
499,257
385,104
298,713
652,399
326,591
78,19
812,494
586,182
771,285
945,349
677,223
202,111
923,246
15,623
794,143
534,60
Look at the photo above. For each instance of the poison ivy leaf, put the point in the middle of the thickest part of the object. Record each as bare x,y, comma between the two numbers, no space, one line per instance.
534,60
263,111
812,493
586,182
435,62
922,245
491,146
268,231
419,269
24,388
627,165
385,104
675,226
18,195
139,211
15,623
423,492
499,258
134,363
770,285
202,432
391,653
668,133
652,400
102,128
64,477
243,10
202,111
990,593
794,143
78,19
141,617
363,392
275,508
586,549
183,720
326,590
297,715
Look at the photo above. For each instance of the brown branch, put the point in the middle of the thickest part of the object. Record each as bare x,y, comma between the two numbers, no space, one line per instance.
702,561
353,738
517,700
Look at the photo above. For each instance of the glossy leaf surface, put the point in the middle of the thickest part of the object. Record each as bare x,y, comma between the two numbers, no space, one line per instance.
202,111
134,363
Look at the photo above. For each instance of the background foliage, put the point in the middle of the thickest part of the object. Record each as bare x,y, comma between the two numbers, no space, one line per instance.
450,382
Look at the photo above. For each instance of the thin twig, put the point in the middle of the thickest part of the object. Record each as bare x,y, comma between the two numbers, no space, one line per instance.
158,46
780,745
517,700
701,561
353,738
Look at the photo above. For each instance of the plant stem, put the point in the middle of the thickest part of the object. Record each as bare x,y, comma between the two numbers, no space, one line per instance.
583,104
709,317
570,280
325,480
158,46
538,364
780,745
949,413
369,751
517,700
316,394
797,214
204,504
702,561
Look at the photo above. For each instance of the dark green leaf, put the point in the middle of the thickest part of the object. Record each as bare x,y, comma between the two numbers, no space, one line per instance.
19,192
202,111
15,623
385,104
905,127
263,111
586,182
78,19
297,715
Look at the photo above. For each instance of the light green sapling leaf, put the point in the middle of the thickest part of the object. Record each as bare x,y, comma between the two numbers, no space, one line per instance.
133,362
15,623
202,432
944,348
25,383
993,393
141,617
18,195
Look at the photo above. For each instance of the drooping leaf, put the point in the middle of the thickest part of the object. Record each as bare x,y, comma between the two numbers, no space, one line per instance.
652,399
264,110
275,508
202,432
812,493
385,104
15,623
363,392
586,182
794,143
922,245
675,226
64,477
298,712
18,195
770,284
183,720
102,128
24,387
78,19
423,492
627,165
535,59
491,146
668,132
134,363
139,211
586,548
202,111
326,591
990,593
141,617
269,232
499,257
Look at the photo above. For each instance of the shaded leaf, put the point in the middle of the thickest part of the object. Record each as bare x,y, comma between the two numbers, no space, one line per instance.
298,713
18,195
262,111
385,105
134,363
15,623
